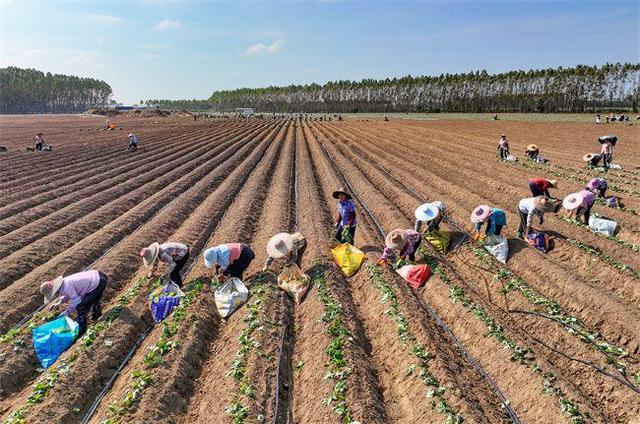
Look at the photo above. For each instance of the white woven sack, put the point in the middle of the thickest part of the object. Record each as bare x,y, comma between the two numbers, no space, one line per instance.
602,226
230,296
498,247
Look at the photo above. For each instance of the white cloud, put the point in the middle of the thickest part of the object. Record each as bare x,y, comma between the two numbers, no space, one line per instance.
105,19
261,48
167,24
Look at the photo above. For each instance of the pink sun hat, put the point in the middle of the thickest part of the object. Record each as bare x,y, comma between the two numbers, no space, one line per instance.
572,201
480,214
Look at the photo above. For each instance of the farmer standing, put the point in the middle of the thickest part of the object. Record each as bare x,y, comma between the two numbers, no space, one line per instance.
290,247
530,207
598,186
175,255
540,186
432,213
494,218
39,142
580,204
606,153
230,259
503,147
401,244
346,221
82,291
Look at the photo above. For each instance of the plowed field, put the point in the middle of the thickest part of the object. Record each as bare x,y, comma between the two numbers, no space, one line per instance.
543,339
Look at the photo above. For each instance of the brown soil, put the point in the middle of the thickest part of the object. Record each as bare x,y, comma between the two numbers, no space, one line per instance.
90,203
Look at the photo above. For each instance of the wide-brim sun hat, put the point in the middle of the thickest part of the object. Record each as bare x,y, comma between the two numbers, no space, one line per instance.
572,201
589,157
480,214
396,239
130,134
50,289
150,254
341,190
532,148
553,183
280,245
427,212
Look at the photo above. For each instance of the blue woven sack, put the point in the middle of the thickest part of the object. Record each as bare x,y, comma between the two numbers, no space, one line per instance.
53,338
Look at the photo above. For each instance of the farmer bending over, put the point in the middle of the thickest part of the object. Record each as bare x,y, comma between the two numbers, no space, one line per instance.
400,244
175,255
494,218
231,259
530,207
346,220
598,186
579,205
290,247
133,141
432,213
82,291
532,151
540,186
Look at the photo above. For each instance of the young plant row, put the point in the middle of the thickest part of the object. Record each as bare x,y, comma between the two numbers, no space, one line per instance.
142,379
632,246
340,336
47,381
632,211
554,311
436,391
237,410
620,266
610,177
519,354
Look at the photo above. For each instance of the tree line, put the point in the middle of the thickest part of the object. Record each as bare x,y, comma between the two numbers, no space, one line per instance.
191,105
33,91
578,89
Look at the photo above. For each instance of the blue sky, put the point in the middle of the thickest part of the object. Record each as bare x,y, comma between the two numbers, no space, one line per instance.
187,48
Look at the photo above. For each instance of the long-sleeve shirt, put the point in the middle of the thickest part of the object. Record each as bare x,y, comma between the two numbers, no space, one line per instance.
503,143
412,238
606,148
442,216
171,252
497,217
299,241
597,184
528,206
588,198
347,212
225,254
75,286
542,184
133,139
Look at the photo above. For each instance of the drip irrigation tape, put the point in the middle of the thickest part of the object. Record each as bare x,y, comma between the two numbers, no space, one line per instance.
432,313
96,402
185,271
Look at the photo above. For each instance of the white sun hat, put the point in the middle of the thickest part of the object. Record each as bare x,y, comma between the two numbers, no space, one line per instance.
280,245
427,212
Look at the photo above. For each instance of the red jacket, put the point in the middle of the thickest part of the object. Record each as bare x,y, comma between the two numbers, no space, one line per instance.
541,183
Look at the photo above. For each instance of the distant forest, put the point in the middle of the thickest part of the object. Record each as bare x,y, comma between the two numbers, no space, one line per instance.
579,89
32,91
191,105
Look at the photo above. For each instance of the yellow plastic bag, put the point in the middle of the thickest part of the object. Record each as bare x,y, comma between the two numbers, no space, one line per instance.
439,239
348,257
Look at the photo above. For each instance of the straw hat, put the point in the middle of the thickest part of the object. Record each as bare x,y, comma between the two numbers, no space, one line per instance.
280,245
480,214
427,212
396,239
339,191
553,183
130,134
150,254
589,157
572,201
532,148
50,289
